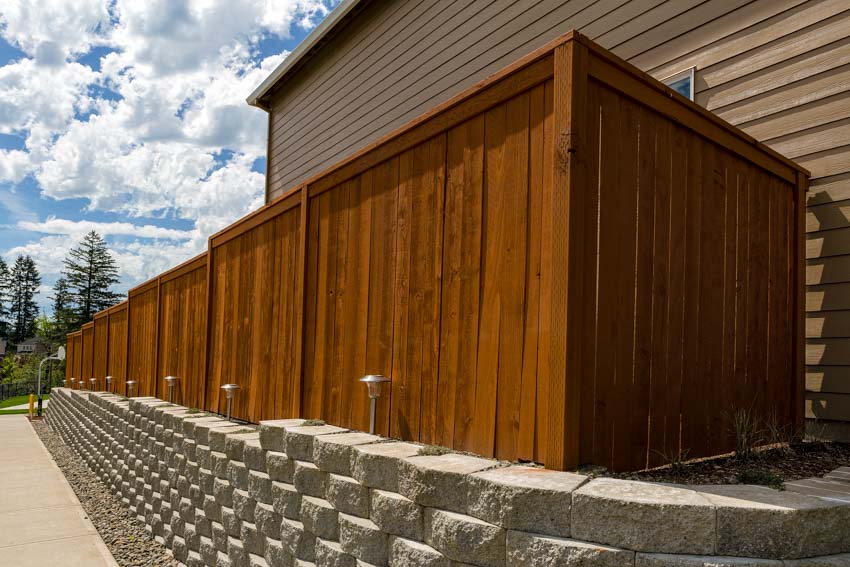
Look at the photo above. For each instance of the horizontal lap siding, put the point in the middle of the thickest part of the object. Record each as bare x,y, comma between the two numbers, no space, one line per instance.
397,60
253,306
688,270
117,365
182,336
426,268
142,328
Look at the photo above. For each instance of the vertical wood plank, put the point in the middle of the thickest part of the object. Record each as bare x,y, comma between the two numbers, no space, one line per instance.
565,362
799,314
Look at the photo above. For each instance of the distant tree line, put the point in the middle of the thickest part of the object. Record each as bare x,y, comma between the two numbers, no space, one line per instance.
84,288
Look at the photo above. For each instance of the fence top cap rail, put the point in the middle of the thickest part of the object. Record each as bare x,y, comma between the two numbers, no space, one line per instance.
189,265
118,307
143,287
87,326
101,314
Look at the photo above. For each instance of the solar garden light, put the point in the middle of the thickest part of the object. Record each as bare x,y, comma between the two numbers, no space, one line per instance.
171,380
82,384
131,386
93,383
109,384
229,392
373,385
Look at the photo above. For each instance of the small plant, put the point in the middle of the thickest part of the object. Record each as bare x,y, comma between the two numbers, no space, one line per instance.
313,422
761,477
245,430
193,410
433,450
676,461
165,405
747,434
777,433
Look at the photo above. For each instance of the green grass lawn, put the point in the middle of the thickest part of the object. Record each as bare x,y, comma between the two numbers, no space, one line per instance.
18,400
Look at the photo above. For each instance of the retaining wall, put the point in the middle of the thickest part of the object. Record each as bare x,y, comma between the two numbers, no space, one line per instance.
285,494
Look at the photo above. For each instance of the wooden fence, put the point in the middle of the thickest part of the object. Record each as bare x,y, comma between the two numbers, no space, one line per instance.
567,264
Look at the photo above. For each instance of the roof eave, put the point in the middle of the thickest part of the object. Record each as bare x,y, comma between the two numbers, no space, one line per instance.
303,48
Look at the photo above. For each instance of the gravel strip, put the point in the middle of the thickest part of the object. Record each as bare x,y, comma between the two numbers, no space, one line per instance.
124,535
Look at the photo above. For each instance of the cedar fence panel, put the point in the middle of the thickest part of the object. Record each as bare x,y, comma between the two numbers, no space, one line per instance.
117,363
73,351
182,331
142,323
87,365
101,348
568,264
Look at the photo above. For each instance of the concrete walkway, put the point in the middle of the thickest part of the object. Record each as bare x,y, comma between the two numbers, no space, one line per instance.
41,520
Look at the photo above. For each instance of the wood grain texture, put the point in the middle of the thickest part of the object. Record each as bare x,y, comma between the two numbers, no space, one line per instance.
142,333
694,291
575,267
182,333
117,365
252,304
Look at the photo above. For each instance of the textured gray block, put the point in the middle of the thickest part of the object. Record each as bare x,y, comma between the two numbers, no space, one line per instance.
464,538
396,514
440,481
530,550
377,465
333,453
347,495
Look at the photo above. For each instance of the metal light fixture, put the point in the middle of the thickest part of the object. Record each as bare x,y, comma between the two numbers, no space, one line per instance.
229,392
109,384
373,385
82,384
60,355
170,381
131,387
93,383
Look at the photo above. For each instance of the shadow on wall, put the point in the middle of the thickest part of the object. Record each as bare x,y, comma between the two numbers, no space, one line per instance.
828,303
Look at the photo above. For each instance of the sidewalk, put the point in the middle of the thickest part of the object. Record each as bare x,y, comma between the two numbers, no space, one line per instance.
41,520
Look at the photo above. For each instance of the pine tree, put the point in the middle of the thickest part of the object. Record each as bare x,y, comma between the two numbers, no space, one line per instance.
5,298
90,270
24,286
63,309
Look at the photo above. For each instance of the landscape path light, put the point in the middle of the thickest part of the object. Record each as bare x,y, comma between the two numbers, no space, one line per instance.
82,384
60,355
109,384
131,387
229,392
170,381
373,386
93,383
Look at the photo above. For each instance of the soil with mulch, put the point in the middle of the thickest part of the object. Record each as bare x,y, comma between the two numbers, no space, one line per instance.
768,466
124,535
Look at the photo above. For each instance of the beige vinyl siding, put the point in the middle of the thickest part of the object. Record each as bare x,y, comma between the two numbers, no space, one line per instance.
779,69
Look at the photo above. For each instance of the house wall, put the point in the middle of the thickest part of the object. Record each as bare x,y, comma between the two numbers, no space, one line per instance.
779,69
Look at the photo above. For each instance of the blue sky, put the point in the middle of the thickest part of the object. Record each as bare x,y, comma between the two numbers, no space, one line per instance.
129,118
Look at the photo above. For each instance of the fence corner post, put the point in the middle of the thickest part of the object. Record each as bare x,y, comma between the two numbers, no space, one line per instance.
569,135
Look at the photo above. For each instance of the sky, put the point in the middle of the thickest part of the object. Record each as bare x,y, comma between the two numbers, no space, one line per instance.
129,118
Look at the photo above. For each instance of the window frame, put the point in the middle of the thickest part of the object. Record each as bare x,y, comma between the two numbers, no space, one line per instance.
689,73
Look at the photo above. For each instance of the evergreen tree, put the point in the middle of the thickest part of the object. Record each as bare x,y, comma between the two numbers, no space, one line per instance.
64,316
5,298
90,270
24,286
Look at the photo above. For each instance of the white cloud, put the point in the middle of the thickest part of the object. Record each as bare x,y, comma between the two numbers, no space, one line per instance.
160,129
50,30
77,229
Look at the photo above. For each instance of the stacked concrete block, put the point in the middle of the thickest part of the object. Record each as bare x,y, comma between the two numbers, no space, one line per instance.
288,494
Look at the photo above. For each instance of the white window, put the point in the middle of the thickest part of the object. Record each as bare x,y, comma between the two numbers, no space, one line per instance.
682,83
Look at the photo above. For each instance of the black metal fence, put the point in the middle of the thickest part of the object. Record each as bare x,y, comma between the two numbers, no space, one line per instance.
12,389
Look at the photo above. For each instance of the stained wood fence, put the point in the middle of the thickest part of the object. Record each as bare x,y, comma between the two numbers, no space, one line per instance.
568,264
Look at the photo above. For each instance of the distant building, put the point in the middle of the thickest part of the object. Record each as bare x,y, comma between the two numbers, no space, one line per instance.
32,346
